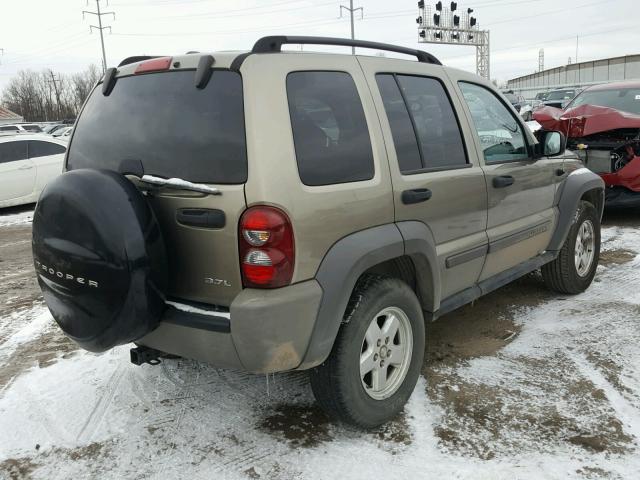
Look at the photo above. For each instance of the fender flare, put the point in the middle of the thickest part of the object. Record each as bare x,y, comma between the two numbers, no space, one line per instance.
344,263
575,186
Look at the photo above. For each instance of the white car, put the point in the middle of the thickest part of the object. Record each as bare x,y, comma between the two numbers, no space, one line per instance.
21,128
27,164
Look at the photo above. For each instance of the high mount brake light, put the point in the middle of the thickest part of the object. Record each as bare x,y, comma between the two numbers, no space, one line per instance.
154,65
267,248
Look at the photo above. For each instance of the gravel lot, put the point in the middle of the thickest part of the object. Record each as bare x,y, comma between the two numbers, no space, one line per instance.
523,384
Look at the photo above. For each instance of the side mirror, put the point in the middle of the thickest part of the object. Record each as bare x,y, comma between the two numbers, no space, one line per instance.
552,143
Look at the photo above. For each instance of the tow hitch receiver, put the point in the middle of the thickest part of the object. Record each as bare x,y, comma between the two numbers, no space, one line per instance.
142,355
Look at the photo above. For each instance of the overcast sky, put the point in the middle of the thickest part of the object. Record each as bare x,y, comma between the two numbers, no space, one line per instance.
41,34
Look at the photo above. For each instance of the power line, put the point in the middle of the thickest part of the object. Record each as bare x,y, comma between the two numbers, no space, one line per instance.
100,28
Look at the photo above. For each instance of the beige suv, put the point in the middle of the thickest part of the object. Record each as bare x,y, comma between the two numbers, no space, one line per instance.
273,211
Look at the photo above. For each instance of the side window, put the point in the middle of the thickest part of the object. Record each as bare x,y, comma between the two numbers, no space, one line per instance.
424,126
13,151
330,131
38,148
9,129
500,134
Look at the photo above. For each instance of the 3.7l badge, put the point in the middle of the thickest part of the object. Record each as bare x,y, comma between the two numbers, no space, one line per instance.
217,282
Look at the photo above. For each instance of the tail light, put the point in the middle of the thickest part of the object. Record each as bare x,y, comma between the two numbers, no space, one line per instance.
267,252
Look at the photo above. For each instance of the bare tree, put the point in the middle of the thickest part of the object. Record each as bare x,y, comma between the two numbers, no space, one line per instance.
46,96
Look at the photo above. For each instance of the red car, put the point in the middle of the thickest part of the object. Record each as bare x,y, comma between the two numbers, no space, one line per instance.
602,125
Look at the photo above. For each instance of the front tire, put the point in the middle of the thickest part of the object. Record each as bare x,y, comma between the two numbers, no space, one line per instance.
573,270
377,356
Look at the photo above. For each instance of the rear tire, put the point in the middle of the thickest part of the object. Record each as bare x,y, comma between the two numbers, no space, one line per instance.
575,266
377,356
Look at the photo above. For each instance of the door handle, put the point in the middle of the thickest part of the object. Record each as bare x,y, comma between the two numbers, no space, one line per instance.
416,195
503,181
26,167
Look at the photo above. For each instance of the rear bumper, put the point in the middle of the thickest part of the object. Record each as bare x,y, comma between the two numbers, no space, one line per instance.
264,331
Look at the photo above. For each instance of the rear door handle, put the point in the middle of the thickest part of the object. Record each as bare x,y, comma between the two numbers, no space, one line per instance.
503,181
26,167
416,195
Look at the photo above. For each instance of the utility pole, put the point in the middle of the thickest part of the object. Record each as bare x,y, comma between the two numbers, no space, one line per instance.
351,11
1,52
576,49
100,28
55,82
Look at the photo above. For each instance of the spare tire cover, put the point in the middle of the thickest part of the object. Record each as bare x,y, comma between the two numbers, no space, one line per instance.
100,258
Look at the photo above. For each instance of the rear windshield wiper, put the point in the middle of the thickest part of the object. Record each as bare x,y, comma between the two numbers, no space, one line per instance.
179,184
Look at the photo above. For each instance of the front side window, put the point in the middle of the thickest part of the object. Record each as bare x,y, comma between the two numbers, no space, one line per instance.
39,148
13,151
9,129
425,129
500,133
330,132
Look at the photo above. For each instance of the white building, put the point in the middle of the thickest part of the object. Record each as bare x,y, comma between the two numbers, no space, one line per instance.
578,75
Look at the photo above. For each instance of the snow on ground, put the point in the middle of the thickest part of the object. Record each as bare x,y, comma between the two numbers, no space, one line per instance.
16,216
554,392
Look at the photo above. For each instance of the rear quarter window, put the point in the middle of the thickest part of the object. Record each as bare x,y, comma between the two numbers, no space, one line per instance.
330,132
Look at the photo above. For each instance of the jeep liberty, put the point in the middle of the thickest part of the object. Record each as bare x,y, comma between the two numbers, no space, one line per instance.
276,210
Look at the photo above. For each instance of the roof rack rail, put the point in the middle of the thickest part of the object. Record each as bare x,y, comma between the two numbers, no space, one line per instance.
136,58
273,44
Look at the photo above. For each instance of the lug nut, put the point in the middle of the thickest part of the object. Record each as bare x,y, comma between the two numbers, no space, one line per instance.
382,363
386,340
379,342
375,357
388,353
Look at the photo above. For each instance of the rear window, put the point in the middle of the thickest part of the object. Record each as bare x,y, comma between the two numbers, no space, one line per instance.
172,127
330,131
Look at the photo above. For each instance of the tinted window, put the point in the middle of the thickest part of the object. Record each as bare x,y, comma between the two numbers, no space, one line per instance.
330,132
8,129
12,151
404,137
500,134
431,118
42,149
172,127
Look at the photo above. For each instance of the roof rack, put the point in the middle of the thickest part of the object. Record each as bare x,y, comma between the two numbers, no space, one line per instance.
273,44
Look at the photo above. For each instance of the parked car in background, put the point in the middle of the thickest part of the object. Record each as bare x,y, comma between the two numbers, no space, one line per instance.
602,124
27,164
516,100
65,131
559,98
52,128
541,96
21,128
